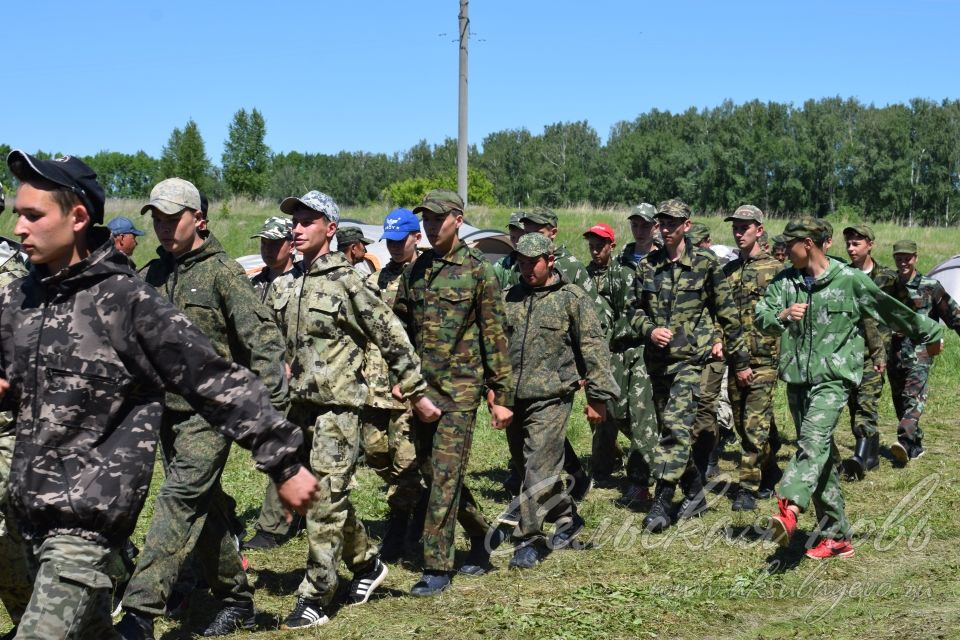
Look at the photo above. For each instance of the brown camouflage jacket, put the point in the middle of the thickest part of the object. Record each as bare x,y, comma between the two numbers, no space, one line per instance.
452,307
748,277
89,352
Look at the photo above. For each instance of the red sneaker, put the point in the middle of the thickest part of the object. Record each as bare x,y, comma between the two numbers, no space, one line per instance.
830,548
783,525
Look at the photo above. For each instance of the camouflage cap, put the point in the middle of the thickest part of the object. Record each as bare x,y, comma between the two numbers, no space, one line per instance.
904,246
644,210
535,244
674,208
516,220
275,228
746,212
348,235
541,215
172,196
861,230
315,200
763,238
828,228
698,232
779,240
440,201
805,227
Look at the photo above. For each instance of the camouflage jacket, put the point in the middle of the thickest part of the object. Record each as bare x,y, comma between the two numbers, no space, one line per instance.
555,341
11,268
622,334
506,270
332,315
876,335
89,352
573,271
926,296
214,292
386,283
261,283
688,297
827,343
603,281
748,278
452,307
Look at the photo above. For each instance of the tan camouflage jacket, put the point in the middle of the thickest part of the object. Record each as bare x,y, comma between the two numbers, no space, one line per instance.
262,285
748,278
89,352
331,317
452,308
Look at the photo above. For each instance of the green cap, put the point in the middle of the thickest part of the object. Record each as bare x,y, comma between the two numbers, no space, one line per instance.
746,212
645,211
348,235
904,246
860,230
779,240
541,215
674,208
698,232
516,220
763,239
275,228
533,245
828,228
806,227
440,201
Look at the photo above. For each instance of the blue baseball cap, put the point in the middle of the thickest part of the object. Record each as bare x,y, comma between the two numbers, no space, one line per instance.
121,225
400,223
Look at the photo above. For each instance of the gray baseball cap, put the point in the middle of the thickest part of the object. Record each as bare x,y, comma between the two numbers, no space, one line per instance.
172,196
315,200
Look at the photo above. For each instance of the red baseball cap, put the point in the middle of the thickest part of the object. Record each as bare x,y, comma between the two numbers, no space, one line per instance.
602,230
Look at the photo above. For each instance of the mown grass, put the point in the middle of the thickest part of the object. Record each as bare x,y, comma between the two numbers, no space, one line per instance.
706,578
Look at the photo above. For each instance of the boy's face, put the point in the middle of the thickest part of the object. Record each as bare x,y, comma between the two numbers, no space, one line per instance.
906,262
276,254
600,250
745,234
858,248
535,271
799,252
642,230
780,252
673,230
312,232
178,233
47,234
403,251
441,229
542,229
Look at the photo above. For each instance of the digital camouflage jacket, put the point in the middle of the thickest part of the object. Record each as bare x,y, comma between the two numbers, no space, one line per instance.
555,342
214,292
452,308
262,285
827,343
748,278
89,352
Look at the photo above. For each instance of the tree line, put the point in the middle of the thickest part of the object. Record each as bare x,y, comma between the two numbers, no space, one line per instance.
897,162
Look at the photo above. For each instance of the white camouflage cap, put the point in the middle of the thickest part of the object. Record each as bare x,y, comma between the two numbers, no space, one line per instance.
275,228
316,200
172,196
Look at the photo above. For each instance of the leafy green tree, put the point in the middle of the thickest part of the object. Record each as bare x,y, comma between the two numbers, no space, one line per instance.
246,156
185,156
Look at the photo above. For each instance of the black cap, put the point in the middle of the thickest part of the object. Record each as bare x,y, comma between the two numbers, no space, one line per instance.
68,171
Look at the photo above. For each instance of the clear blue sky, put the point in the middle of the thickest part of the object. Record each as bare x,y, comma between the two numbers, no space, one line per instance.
381,75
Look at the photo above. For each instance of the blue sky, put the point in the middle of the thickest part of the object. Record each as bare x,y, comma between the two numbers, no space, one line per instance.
381,75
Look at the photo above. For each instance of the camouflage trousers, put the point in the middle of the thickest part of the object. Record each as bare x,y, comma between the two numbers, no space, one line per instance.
812,476
15,587
634,416
675,398
864,403
334,531
542,424
753,421
908,370
71,590
706,423
191,515
443,449
388,449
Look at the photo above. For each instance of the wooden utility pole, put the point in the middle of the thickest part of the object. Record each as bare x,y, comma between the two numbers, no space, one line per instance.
462,128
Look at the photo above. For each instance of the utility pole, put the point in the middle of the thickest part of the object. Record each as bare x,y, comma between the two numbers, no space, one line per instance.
462,128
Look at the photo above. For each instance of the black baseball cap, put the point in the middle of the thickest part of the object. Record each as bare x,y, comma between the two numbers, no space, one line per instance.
67,171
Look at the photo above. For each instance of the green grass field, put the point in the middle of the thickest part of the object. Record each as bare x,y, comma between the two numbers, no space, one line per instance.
704,579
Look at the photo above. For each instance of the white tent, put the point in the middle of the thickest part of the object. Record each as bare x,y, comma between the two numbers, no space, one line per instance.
948,273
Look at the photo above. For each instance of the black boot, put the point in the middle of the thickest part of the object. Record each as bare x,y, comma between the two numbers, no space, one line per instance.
694,500
713,461
854,468
659,518
873,451
395,537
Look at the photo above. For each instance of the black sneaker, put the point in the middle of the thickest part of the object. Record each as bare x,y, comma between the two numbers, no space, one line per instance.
261,540
364,583
511,515
477,562
745,501
900,450
564,535
134,626
431,583
306,613
528,556
231,618
916,451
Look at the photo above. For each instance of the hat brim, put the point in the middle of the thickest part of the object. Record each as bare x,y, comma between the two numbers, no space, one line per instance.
435,207
165,207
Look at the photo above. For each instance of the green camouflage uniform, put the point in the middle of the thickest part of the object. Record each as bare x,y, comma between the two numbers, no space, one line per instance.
192,514
605,455
506,270
453,310
555,340
821,359
753,407
909,365
261,282
332,315
687,296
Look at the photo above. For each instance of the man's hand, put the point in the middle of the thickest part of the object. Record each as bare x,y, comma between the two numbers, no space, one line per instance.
500,416
425,409
396,393
745,378
794,312
297,492
4,386
933,349
287,370
880,367
596,411
661,336
717,351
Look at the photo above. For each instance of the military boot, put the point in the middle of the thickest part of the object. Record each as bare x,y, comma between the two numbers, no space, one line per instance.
873,451
659,518
855,468
395,537
694,499
713,461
